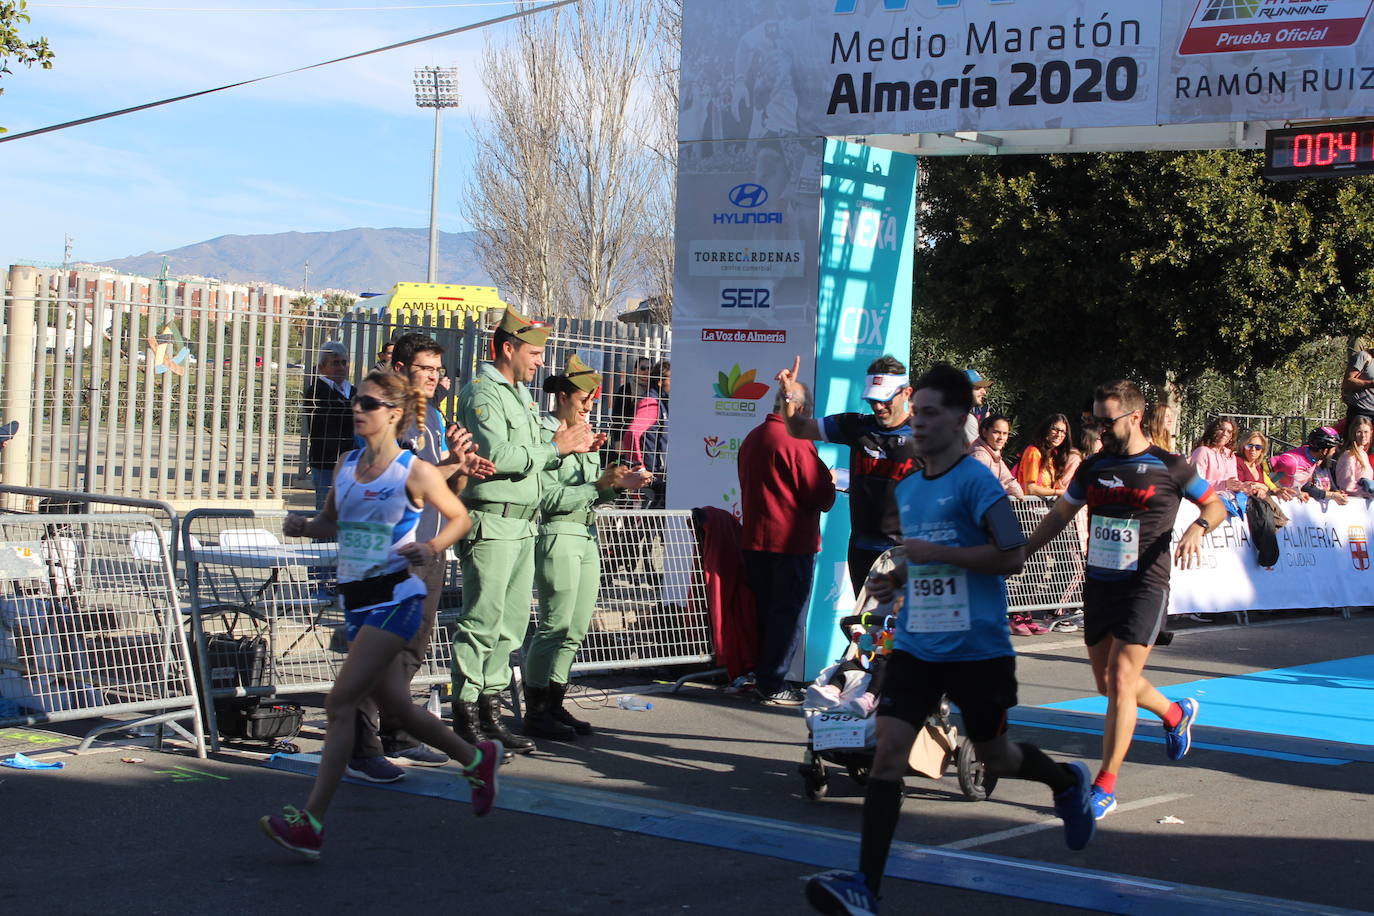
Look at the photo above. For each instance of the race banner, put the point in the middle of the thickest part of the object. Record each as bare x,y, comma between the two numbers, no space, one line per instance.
868,227
1324,562
786,68
744,301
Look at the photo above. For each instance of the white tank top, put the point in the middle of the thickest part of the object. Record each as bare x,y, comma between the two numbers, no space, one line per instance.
375,518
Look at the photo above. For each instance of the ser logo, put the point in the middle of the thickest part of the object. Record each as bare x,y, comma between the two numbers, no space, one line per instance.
747,197
746,298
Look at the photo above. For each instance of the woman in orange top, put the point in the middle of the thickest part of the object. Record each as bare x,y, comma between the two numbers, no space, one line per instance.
1045,459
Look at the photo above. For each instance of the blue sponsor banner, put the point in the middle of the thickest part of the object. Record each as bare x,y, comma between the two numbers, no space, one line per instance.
868,227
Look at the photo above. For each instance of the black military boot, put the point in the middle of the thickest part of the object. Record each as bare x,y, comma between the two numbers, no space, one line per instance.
491,726
465,721
556,709
540,721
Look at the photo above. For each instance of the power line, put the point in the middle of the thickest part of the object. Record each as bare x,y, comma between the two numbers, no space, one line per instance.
316,9
520,14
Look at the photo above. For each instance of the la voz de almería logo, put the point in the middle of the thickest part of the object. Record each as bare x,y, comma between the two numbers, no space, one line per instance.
736,392
747,197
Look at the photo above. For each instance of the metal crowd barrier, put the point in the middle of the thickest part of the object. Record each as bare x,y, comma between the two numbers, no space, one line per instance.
90,625
265,614
1053,578
26,500
651,607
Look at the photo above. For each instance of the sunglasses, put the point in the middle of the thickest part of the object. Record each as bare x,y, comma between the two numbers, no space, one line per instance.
1253,446
1096,422
368,403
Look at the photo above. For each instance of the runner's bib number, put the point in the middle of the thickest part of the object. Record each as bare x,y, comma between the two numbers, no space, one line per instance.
1114,543
936,599
363,547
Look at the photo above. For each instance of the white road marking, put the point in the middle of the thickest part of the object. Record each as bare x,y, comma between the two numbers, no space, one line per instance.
1050,823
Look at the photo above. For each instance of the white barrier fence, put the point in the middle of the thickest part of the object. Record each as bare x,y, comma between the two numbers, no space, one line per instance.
1324,562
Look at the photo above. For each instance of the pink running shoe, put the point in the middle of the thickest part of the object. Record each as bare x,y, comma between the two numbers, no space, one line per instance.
481,776
295,830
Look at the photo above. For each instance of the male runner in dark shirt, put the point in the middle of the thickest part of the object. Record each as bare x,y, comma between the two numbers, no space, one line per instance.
881,454
1132,490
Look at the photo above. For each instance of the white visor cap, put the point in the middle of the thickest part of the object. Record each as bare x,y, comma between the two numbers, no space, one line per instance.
884,387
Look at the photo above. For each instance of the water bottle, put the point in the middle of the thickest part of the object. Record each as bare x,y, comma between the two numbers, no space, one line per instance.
634,703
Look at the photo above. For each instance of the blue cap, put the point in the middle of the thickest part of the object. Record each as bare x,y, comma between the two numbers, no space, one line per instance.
976,379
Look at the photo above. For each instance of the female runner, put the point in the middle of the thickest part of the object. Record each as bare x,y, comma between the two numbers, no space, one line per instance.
372,509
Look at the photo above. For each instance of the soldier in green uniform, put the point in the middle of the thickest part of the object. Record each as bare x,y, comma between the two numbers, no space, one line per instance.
497,556
567,560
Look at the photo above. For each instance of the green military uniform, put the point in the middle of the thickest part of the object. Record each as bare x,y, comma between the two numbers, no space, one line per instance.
497,556
567,563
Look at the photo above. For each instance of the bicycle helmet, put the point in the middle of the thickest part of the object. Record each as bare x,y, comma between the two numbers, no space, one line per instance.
1323,437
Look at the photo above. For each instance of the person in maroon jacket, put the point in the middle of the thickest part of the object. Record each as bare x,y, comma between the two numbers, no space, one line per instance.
784,488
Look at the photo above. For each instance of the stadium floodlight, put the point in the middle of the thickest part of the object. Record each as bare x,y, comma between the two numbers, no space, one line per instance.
437,88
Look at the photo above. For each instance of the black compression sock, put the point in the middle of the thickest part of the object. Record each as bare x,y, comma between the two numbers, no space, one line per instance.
1039,767
882,807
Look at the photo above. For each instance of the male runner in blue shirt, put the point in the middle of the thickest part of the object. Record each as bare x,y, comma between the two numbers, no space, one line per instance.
960,538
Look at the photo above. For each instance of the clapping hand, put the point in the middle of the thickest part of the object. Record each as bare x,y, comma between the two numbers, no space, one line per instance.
573,439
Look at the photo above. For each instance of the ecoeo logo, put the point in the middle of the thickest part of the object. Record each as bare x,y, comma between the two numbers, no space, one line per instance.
747,197
736,392
897,6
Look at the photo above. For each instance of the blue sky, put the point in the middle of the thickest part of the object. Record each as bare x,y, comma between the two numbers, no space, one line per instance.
335,148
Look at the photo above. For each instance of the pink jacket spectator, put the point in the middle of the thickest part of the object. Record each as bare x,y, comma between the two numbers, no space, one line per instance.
1351,469
1214,466
982,453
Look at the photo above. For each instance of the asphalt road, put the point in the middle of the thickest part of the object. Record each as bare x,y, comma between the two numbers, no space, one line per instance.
696,805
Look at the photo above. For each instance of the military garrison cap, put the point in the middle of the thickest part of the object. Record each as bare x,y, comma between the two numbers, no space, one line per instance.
581,374
523,329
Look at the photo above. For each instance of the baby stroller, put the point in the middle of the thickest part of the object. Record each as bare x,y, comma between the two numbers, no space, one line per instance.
841,701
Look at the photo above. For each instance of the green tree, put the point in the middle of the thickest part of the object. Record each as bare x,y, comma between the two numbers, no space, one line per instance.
1063,270
339,302
14,46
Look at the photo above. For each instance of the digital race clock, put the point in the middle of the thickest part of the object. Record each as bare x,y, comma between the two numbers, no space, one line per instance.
1321,151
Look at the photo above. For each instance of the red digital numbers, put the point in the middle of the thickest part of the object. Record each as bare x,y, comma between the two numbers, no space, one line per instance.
1324,148
1326,151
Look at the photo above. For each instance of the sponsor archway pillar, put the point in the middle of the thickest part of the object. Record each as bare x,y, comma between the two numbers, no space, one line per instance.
785,247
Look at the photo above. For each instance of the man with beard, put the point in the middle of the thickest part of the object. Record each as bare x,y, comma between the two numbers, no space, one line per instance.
1133,490
881,454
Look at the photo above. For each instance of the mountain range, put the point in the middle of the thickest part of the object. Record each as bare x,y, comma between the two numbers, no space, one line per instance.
356,260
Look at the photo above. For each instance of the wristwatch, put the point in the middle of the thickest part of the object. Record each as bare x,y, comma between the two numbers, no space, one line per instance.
1202,523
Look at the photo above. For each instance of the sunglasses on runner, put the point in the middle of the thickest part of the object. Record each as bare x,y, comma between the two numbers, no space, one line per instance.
368,403
1096,422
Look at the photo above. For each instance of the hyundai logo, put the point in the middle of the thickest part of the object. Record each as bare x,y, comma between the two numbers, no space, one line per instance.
748,195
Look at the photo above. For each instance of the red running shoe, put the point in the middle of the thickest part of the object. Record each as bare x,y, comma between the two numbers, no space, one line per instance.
481,776
295,830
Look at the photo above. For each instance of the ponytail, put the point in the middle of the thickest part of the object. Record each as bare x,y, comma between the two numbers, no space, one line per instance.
419,401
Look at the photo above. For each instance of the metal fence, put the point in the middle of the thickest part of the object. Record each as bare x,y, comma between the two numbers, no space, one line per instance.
27,500
651,609
1053,578
265,615
90,625
200,398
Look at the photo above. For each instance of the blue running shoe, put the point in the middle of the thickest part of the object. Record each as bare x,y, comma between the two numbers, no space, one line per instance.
1179,739
841,893
1103,803
1075,808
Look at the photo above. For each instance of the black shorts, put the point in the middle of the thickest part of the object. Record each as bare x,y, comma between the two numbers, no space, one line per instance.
1133,616
983,690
